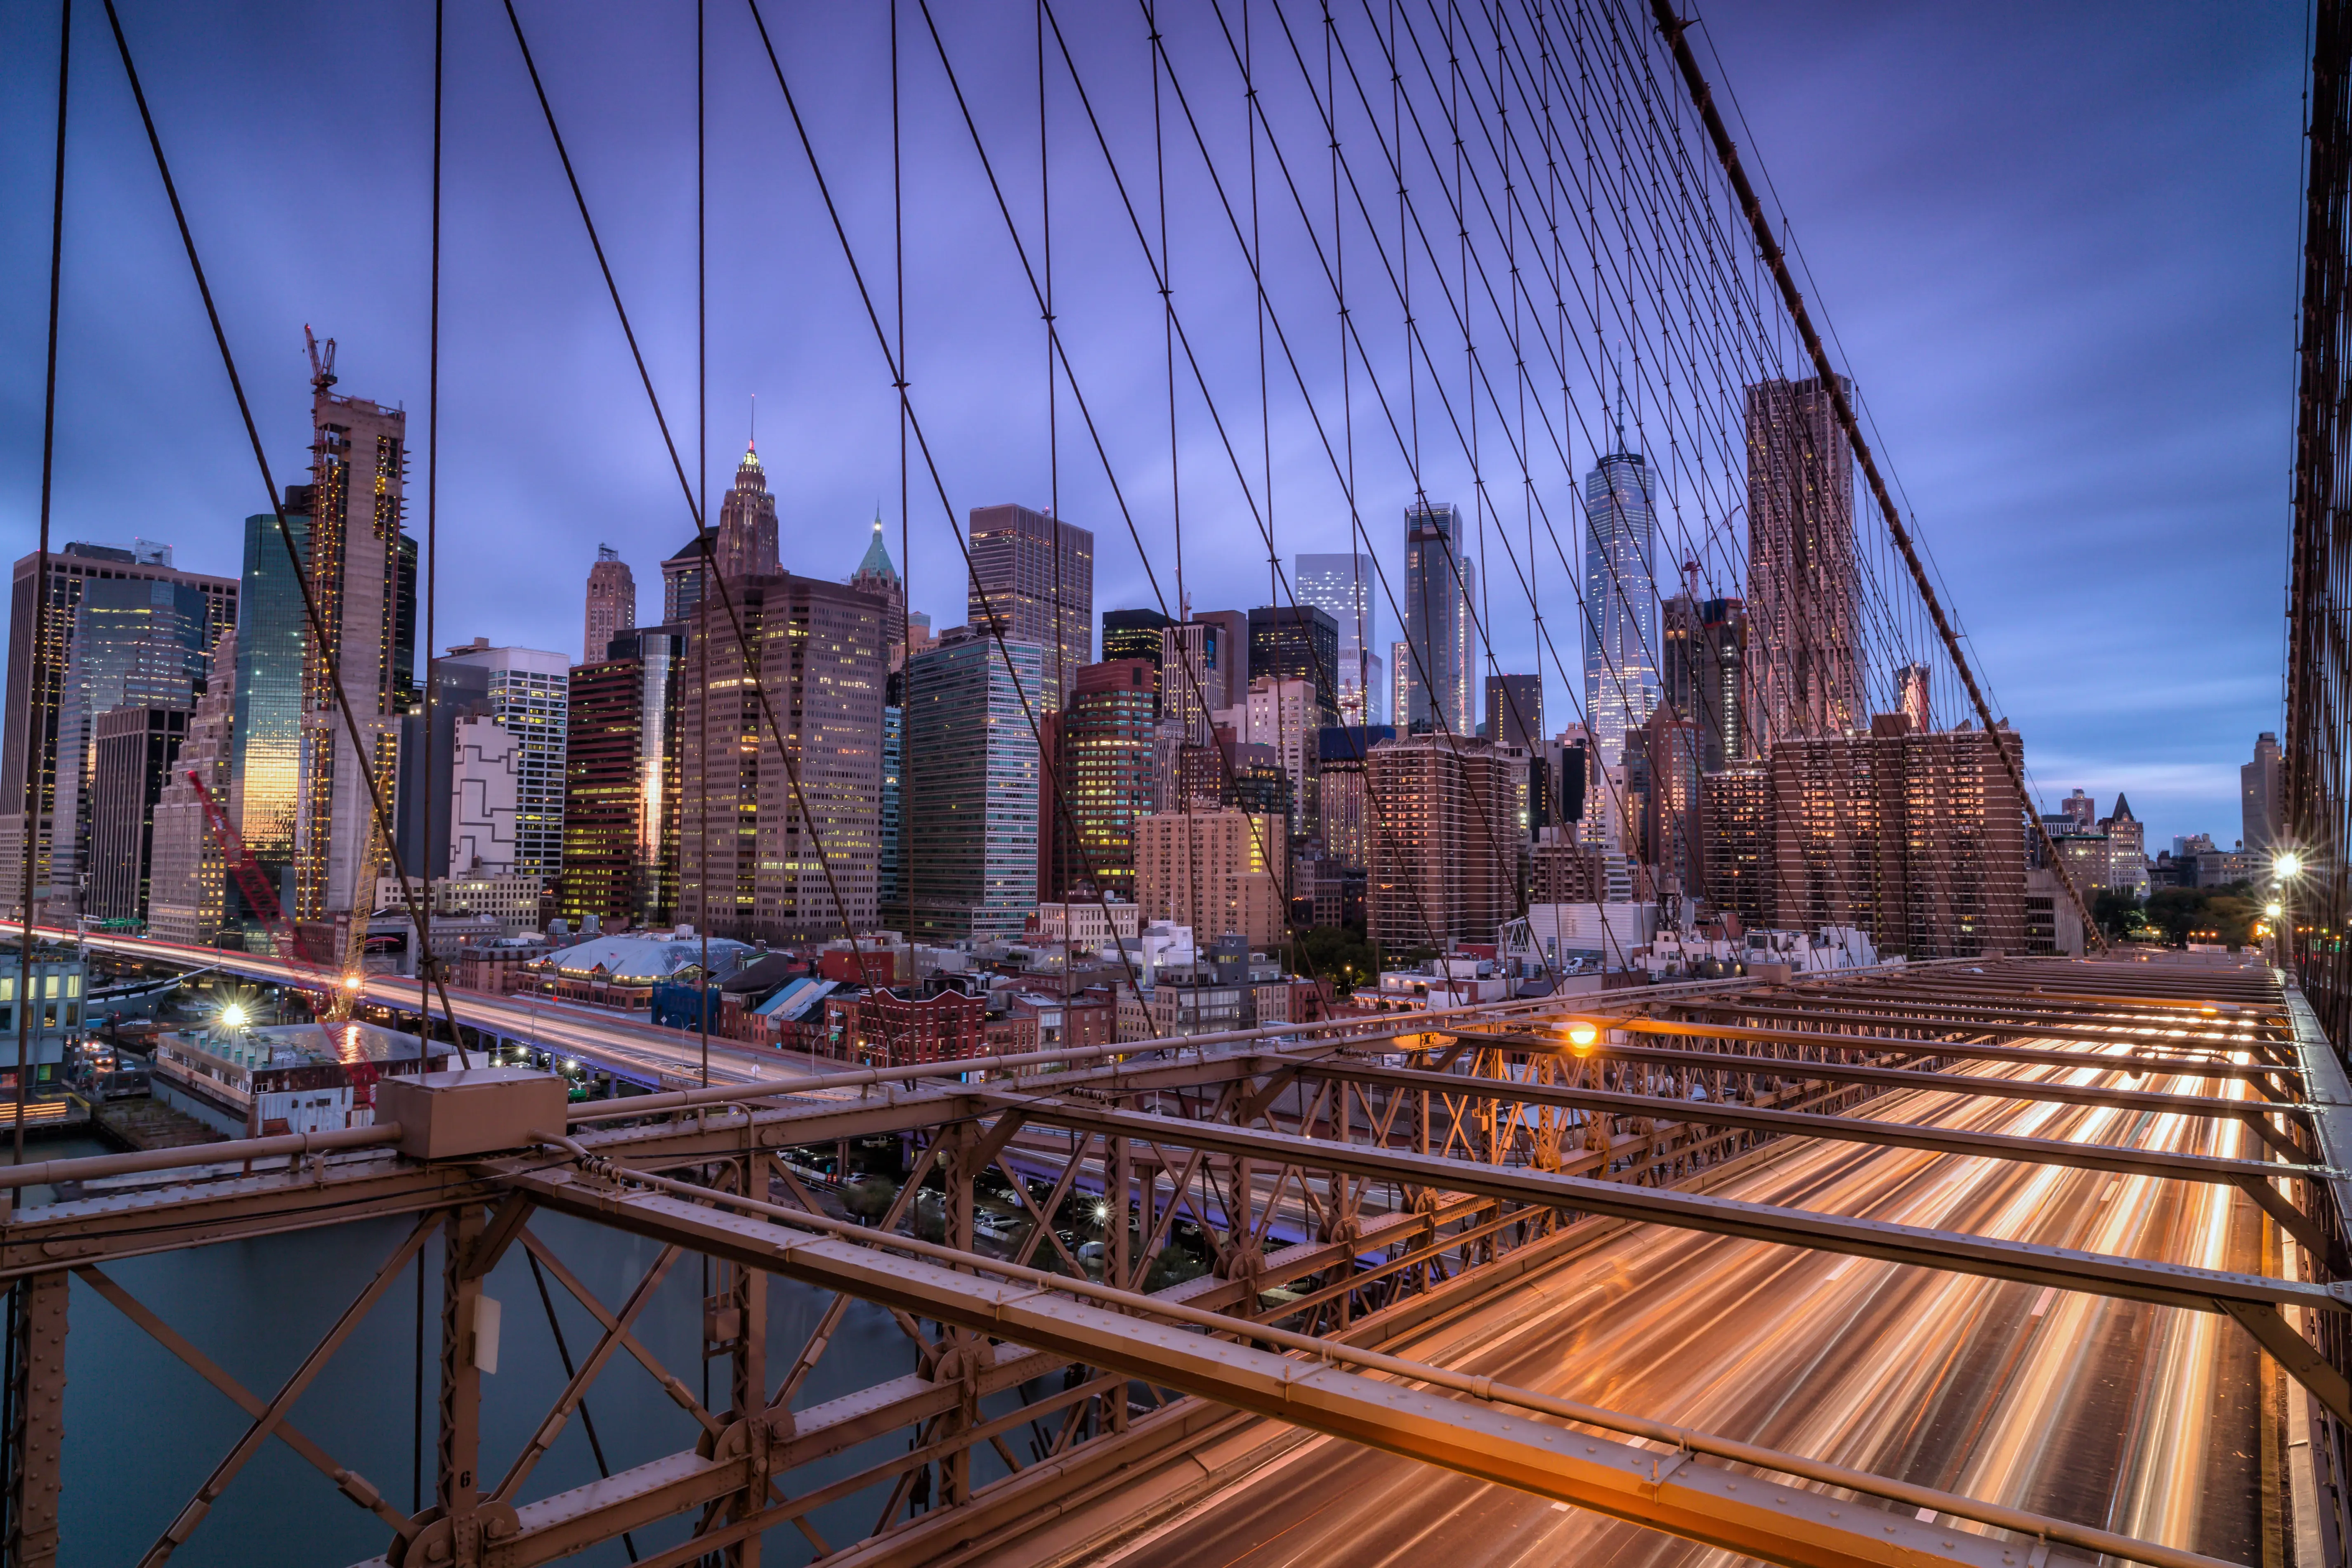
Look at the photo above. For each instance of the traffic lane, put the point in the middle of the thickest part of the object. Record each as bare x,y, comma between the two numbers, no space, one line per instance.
2082,1406
609,1042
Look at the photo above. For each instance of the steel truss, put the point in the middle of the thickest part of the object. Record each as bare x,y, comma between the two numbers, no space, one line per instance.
1351,1185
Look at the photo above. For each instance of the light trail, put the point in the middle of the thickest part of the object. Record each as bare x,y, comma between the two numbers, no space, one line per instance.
2132,1417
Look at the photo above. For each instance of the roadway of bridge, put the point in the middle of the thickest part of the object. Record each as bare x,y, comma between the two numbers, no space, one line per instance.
621,1045
2133,1417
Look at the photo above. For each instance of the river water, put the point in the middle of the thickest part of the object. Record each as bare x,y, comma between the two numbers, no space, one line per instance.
142,1431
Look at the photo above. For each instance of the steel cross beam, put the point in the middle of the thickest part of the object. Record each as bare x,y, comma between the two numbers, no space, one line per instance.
2175,1066
2250,1176
1974,1020
2030,1263
2255,1112
1660,1489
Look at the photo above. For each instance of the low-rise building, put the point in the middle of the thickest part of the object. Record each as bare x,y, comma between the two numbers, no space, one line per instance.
295,1077
620,972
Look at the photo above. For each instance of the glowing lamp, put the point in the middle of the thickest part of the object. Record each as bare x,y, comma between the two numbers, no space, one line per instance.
2274,909
232,1017
2290,864
350,983
1581,1037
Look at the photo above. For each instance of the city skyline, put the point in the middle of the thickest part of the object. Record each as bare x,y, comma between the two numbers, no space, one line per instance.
1953,432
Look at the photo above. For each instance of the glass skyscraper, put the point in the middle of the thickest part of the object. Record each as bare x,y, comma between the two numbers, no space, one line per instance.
970,803
137,643
1440,643
1344,587
271,639
1620,602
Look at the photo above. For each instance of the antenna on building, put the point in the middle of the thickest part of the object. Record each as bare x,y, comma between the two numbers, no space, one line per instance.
752,442
322,359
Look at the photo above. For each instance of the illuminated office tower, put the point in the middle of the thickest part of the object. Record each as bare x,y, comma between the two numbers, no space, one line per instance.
530,696
1342,587
188,880
1103,754
746,545
1440,631
1704,656
972,787
1621,601
878,580
760,858
1133,633
620,782
612,604
363,580
1035,574
136,643
27,744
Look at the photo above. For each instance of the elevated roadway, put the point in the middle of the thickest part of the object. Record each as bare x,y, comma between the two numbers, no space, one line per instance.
620,1045
2142,1419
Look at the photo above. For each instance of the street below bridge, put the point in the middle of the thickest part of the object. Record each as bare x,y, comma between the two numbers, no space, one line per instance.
2137,1418
619,1045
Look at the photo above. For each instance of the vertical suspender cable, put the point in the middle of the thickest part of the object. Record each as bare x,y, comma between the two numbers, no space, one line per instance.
432,578
38,704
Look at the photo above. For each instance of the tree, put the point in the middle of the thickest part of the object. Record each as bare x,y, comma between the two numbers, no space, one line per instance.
1340,954
2115,911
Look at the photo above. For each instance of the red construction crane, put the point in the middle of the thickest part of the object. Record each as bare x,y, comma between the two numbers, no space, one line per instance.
249,877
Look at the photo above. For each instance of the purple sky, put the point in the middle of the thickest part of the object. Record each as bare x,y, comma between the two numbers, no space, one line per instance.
2058,245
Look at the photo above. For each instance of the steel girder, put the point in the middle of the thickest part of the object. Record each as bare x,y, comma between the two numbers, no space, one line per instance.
1664,1490
2245,1297
1958,1050
2250,1176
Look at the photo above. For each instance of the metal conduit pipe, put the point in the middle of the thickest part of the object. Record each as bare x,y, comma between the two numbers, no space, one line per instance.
1484,1388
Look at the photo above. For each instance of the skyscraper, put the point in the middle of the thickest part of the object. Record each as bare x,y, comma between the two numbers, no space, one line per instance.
1132,633
760,859
621,783
136,643
686,576
611,602
1103,753
878,580
2262,795
530,695
1704,656
272,642
746,545
971,786
1342,587
1443,847
28,745
1514,711
187,881
132,754
1621,601
1440,633
1297,642
1804,669
1914,839
362,583
1034,573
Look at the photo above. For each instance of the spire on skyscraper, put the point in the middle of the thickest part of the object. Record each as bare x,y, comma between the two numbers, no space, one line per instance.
877,561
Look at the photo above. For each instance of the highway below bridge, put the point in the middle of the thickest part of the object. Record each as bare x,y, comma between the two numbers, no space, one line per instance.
619,1046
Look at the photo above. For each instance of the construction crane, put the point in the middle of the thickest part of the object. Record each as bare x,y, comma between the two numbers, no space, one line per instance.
250,877
322,359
